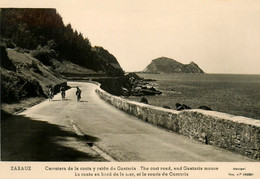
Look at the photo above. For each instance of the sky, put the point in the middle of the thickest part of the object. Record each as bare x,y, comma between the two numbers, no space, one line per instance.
221,36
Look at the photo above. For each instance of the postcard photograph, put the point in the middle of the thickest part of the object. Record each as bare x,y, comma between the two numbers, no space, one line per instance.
130,88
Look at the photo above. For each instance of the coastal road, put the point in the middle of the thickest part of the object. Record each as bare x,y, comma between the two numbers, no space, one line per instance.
111,135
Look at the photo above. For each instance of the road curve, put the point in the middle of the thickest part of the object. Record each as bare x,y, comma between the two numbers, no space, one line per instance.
121,136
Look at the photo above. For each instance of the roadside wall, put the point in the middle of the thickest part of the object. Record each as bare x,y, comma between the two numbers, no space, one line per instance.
235,133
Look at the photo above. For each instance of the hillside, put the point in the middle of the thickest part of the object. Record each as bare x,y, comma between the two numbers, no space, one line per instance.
43,30
28,77
168,66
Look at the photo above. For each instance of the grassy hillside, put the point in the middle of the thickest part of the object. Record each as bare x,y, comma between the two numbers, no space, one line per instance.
25,79
43,30
28,77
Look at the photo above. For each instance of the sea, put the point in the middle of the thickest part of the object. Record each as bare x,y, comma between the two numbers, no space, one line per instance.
235,94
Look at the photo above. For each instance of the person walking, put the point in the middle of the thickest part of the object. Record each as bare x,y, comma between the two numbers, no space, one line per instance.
62,90
50,93
78,94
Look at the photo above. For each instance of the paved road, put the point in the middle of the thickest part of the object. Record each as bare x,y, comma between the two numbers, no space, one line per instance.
113,132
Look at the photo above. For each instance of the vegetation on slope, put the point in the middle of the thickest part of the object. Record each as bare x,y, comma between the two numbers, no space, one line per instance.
34,29
26,78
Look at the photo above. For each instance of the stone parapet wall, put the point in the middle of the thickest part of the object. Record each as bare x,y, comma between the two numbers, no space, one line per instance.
235,133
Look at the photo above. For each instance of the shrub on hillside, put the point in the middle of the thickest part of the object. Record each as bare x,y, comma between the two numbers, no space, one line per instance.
45,54
15,87
5,61
33,66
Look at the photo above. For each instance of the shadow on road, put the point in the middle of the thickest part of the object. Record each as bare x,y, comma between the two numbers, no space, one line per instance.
90,138
25,139
83,101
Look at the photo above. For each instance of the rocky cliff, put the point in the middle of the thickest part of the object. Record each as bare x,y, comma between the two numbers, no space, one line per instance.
168,66
107,62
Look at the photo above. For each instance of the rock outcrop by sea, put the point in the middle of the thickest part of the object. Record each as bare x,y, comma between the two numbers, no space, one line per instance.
164,65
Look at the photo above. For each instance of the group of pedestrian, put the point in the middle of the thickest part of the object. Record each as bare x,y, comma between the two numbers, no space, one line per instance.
63,94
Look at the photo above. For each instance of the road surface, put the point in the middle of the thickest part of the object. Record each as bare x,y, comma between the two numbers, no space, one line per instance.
93,130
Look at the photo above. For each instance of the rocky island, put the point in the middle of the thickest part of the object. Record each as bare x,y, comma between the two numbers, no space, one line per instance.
164,65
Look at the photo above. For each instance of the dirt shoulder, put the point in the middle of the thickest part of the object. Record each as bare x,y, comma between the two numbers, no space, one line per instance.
21,106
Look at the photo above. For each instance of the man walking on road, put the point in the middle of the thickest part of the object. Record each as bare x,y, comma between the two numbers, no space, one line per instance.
62,90
78,93
50,93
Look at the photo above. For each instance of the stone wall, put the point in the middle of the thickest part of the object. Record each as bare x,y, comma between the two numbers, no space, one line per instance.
234,133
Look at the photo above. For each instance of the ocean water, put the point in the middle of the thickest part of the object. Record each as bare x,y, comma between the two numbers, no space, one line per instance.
228,93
